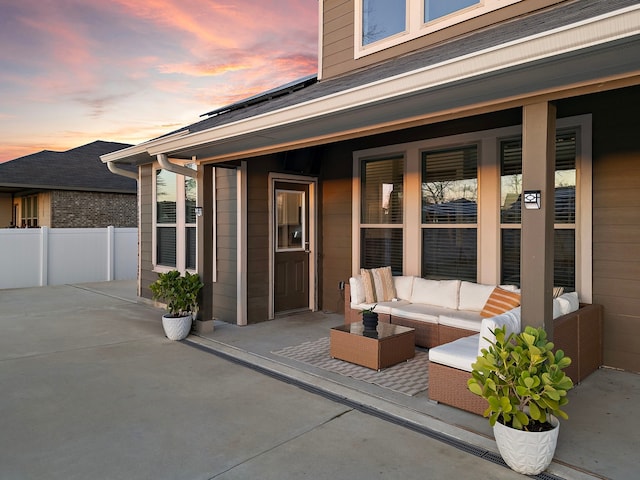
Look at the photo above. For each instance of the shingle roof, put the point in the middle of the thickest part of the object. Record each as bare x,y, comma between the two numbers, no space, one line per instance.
520,27
77,169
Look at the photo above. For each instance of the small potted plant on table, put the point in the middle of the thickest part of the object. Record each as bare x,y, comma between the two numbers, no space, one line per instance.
180,293
522,380
369,318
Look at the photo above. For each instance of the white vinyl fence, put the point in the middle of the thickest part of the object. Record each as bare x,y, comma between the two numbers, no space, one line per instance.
32,257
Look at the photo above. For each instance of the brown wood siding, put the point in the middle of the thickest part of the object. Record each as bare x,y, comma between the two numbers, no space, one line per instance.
258,237
224,289
338,42
616,219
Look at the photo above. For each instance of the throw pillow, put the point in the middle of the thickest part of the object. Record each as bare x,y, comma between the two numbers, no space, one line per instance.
378,284
500,301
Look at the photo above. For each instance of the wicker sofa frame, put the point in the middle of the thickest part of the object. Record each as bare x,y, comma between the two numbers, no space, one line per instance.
578,334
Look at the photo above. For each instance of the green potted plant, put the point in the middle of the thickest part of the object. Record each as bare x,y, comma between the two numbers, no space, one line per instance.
369,318
522,380
180,293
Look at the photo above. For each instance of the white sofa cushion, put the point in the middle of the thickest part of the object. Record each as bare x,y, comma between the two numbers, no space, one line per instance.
419,312
356,286
462,319
473,296
404,286
381,307
510,319
569,302
440,293
460,353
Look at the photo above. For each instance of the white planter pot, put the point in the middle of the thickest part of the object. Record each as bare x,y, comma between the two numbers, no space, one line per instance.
176,328
528,453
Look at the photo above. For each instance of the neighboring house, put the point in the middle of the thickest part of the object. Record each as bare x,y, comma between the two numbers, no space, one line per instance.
462,106
71,189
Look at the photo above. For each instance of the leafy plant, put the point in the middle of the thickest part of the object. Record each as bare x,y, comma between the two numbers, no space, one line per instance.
365,311
180,293
522,379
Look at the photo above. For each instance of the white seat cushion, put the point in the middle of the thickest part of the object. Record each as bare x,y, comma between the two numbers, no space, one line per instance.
404,286
473,296
357,290
381,307
441,293
422,313
460,353
462,319
510,320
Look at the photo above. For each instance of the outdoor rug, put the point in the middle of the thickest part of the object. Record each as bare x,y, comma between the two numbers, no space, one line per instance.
408,378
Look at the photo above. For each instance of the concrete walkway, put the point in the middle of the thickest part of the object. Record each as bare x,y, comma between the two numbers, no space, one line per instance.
92,389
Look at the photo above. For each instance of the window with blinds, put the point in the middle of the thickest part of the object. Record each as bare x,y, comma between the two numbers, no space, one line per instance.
176,235
450,213
565,209
382,211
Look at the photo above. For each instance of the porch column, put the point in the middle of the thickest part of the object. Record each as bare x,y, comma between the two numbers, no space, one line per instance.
536,258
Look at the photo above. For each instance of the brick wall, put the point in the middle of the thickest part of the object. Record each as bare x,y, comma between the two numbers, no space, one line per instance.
93,210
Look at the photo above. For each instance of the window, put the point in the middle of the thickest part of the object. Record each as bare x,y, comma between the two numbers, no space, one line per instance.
434,9
384,23
29,211
175,221
449,213
382,19
565,209
381,217
449,207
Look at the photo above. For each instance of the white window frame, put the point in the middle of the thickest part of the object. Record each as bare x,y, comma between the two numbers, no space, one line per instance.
180,226
488,226
415,25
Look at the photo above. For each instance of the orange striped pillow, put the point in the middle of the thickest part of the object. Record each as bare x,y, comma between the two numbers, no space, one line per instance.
500,301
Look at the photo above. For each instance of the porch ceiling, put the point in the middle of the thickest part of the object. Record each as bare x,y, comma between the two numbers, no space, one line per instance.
586,58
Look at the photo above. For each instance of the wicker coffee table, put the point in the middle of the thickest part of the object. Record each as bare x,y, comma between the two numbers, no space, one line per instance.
390,344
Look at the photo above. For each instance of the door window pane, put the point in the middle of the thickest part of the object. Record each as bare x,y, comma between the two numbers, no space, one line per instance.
439,8
290,221
382,19
381,247
450,186
449,253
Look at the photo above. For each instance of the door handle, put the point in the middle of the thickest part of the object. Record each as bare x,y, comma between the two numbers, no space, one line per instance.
306,247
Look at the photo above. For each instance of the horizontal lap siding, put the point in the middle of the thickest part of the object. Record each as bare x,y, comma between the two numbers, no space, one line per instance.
616,225
224,289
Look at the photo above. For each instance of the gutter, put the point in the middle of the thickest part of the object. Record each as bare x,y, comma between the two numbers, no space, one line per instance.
175,168
119,171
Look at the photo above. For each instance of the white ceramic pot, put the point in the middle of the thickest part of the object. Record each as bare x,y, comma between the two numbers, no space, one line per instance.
528,453
176,328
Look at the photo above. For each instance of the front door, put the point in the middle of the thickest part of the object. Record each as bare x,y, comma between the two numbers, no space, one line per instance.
291,265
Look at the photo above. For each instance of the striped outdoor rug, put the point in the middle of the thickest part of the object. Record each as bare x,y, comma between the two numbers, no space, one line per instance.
408,378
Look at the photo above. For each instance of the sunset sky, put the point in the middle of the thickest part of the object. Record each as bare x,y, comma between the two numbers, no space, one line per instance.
75,71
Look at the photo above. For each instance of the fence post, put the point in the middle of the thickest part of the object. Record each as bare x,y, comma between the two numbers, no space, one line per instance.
44,256
111,247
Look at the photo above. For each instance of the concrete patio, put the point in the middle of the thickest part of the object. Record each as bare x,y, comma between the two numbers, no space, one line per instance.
600,440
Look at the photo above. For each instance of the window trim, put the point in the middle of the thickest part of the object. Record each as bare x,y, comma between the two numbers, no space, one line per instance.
180,225
488,221
415,27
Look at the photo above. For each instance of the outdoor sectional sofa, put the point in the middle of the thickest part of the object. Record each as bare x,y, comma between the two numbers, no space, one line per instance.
455,331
